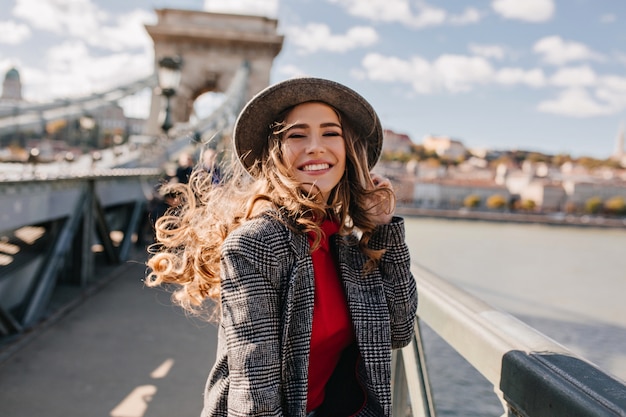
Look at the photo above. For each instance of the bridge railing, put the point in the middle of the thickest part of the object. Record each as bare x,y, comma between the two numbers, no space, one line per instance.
533,375
25,115
53,232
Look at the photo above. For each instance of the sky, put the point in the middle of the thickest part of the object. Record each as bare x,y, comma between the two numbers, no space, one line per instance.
536,75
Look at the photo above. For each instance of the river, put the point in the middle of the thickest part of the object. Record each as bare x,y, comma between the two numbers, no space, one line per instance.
567,282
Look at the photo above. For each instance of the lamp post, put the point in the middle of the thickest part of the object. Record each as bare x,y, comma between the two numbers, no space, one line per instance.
169,79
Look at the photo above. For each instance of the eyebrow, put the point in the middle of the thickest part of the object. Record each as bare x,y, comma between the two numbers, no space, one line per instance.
304,125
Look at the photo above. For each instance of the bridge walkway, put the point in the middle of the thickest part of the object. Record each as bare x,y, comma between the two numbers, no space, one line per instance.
121,351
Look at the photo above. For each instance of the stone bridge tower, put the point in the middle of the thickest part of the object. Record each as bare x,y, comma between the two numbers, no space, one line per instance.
212,47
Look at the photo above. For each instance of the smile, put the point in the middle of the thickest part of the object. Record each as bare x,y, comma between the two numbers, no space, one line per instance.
315,167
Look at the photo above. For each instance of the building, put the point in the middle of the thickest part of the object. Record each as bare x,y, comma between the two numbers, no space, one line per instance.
396,142
12,87
546,194
579,192
10,102
98,128
451,194
444,146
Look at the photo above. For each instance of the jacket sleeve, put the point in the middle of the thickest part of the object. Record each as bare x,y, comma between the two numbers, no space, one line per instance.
398,281
250,303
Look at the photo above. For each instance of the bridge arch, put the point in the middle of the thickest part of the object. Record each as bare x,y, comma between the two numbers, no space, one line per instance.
212,47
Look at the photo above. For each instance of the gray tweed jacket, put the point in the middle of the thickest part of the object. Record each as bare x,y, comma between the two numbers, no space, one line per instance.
267,310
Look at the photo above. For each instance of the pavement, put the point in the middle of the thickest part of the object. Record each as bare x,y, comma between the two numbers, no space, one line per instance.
122,351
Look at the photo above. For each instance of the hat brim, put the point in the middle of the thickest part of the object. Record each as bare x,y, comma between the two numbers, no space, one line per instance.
252,128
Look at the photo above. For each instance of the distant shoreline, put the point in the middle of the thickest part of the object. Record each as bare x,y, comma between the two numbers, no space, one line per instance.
555,219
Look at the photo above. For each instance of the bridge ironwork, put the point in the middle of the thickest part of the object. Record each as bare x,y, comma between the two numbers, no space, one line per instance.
72,207
24,115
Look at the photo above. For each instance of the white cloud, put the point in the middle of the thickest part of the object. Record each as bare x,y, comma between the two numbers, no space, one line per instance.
614,82
318,37
267,8
576,102
76,17
421,15
621,57
616,102
83,20
534,11
389,69
13,33
612,89
426,17
128,32
488,51
554,50
73,71
377,10
470,15
452,73
291,71
460,73
609,94
582,76
608,18
512,76
137,105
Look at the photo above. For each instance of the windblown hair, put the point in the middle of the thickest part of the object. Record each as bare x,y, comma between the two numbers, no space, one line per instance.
189,237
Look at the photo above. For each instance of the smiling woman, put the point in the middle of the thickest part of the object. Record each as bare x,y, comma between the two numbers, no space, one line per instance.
302,253
314,147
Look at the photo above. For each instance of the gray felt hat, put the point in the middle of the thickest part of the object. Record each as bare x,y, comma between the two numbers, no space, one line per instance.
252,127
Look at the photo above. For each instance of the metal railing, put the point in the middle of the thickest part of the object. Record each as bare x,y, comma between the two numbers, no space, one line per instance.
533,375
25,115
72,208
53,231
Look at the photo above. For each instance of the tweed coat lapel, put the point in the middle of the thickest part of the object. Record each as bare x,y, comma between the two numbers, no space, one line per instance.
370,317
298,299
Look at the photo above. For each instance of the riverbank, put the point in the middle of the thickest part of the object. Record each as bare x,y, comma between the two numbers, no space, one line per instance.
556,219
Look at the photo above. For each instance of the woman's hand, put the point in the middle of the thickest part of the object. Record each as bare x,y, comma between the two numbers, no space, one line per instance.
382,205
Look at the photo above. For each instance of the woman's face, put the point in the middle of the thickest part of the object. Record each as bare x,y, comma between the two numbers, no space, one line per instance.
314,147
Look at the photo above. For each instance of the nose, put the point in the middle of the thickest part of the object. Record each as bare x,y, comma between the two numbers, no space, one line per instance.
315,144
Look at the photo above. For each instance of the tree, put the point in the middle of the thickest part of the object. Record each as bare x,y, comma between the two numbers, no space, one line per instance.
593,205
528,205
560,159
496,201
615,205
471,201
537,157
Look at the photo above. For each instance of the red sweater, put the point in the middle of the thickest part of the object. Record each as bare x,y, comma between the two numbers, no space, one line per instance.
332,327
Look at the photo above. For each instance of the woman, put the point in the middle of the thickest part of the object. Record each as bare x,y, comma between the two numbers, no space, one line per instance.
304,256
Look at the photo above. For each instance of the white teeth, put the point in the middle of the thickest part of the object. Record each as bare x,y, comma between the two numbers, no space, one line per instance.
315,167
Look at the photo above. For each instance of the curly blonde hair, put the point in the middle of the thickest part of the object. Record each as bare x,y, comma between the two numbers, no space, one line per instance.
189,237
